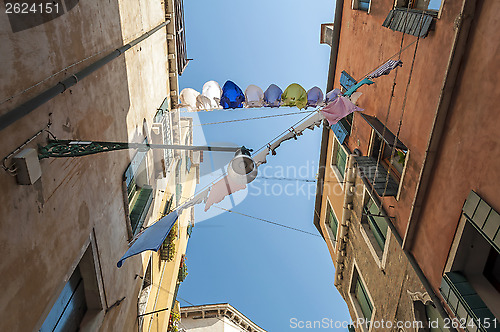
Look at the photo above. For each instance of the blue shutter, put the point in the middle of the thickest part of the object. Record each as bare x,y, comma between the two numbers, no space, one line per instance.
69,309
339,131
346,80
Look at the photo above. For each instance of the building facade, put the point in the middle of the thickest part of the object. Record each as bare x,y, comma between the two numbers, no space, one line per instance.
398,190
91,71
215,318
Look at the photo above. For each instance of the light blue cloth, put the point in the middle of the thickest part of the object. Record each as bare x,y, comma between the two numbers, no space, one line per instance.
314,96
232,96
272,96
152,238
353,88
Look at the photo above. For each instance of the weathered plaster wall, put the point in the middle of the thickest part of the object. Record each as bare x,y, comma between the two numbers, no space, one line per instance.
387,285
44,226
469,155
365,45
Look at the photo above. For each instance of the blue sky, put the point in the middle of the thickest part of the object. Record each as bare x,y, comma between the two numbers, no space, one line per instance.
270,274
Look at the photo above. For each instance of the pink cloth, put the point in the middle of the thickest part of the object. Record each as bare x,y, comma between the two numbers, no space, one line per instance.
221,189
338,109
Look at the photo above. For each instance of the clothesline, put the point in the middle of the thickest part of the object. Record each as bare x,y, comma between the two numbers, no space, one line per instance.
248,119
338,105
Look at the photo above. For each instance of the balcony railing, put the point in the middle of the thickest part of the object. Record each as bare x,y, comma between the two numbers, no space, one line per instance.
376,175
412,22
168,250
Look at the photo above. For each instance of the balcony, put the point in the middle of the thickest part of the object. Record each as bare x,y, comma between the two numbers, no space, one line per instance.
412,22
376,176
168,250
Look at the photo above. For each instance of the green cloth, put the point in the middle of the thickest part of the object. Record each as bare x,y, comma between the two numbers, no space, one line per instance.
294,95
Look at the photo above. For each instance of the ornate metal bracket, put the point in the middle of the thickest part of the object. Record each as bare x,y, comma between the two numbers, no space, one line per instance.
69,148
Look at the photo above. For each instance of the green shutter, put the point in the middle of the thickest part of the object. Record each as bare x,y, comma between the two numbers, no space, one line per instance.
178,193
465,303
333,222
140,207
363,300
378,225
341,160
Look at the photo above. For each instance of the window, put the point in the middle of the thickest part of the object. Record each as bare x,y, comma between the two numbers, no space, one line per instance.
332,222
394,161
429,316
427,5
376,223
492,269
69,309
142,302
374,229
339,159
363,5
470,285
360,298
386,154
79,300
363,300
139,192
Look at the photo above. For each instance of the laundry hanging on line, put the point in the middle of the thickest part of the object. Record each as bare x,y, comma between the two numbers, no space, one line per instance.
224,187
254,96
386,68
152,237
232,96
314,97
294,95
338,109
272,96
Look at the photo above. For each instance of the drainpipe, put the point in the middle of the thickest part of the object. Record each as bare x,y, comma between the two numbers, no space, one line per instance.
37,101
342,236
324,136
409,256
462,28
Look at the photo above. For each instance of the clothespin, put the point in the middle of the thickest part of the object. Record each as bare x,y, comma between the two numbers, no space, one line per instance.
270,149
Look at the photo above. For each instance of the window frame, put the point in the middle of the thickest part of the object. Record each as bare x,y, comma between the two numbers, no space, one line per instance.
89,264
399,178
138,168
358,310
356,5
467,235
340,175
379,254
432,12
330,211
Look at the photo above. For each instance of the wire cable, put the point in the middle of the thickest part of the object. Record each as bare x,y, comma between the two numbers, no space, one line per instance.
403,107
267,221
248,119
390,100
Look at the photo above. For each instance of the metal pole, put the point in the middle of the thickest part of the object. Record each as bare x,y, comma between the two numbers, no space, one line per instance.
152,312
27,107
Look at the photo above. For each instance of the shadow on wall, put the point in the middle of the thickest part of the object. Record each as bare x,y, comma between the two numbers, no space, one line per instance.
31,13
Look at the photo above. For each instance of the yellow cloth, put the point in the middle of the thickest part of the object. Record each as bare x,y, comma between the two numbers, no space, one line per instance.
294,95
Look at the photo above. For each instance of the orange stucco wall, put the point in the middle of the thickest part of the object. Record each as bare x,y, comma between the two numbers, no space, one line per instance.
469,154
365,45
